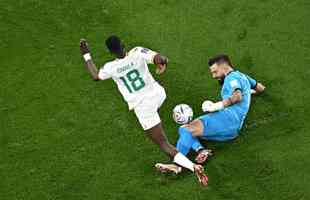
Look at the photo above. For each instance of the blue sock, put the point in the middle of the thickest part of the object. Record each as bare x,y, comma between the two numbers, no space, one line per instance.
186,141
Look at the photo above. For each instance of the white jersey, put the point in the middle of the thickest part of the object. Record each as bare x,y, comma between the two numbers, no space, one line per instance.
131,74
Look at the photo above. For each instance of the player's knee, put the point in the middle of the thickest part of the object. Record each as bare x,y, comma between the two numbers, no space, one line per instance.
196,128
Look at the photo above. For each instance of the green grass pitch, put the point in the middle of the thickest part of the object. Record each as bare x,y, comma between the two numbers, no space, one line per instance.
63,136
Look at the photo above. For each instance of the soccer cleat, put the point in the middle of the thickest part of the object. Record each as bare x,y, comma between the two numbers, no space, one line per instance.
200,174
203,156
168,168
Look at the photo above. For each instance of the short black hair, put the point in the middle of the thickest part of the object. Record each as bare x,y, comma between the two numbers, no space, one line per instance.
220,58
114,44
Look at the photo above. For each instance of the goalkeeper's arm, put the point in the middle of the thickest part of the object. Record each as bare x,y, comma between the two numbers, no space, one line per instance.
259,88
209,106
236,97
90,66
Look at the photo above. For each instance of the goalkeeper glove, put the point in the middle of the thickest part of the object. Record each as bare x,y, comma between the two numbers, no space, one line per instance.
209,106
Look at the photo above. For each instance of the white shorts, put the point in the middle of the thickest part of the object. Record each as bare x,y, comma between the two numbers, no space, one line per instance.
147,110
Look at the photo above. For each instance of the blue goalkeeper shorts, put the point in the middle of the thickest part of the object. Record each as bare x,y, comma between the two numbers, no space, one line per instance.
220,126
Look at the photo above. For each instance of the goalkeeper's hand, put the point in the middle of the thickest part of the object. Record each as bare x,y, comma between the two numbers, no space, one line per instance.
209,106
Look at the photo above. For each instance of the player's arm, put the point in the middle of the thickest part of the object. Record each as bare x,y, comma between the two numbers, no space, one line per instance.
236,97
161,63
152,57
209,106
256,87
90,65
259,88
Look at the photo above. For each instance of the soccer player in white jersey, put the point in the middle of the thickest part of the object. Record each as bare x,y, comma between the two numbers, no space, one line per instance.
143,94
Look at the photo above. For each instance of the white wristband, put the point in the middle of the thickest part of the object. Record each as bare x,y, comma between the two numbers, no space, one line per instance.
87,57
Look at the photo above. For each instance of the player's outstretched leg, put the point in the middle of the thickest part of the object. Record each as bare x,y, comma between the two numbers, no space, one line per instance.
187,141
158,136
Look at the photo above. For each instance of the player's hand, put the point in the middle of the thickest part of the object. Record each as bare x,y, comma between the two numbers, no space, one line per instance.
209,106
200,174
84,47
161,68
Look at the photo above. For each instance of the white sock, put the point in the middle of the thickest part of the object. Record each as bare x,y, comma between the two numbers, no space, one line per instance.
180,159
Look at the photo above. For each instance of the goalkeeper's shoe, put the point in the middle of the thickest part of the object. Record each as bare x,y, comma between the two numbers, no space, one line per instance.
168,168
203,155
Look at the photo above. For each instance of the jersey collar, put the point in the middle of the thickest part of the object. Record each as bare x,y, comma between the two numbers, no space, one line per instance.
221,82
229,72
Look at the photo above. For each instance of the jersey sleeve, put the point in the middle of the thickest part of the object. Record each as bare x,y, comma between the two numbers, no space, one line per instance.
252,82
146,54
104,73
234,84
230,86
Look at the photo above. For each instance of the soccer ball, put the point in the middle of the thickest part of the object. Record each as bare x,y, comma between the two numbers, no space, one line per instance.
182,114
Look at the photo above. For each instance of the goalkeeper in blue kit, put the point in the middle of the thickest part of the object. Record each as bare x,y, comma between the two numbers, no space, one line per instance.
224,119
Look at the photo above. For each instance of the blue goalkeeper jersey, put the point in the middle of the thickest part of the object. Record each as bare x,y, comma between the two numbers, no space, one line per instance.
233,81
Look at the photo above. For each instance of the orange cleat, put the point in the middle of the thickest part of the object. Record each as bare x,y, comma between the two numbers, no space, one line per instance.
200,174
203,156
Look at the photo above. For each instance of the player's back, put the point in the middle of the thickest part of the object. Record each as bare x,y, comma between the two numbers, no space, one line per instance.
132,75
